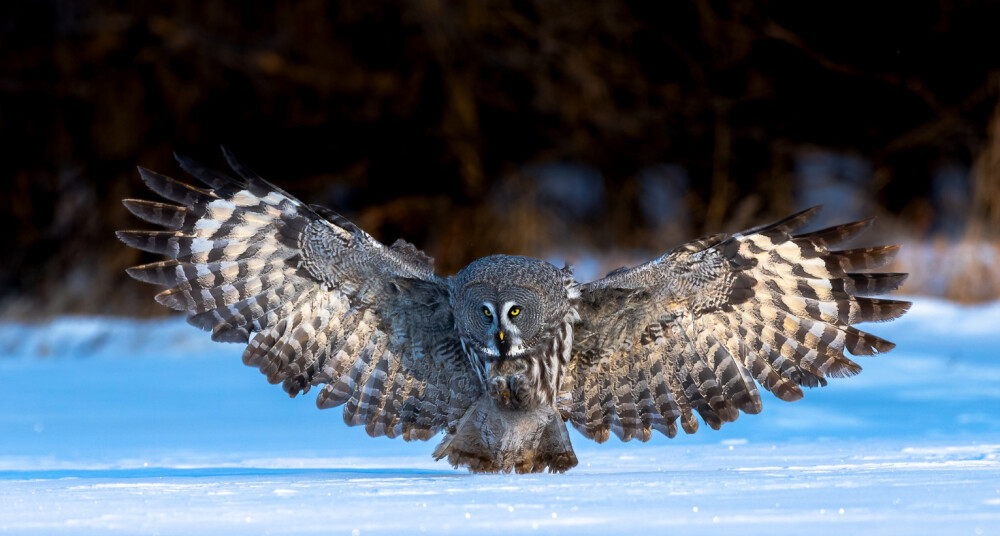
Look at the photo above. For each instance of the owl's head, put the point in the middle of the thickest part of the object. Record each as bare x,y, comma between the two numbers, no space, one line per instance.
505,305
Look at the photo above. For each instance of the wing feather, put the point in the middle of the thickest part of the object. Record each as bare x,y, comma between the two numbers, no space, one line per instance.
698,329
192,197
317,300
164,214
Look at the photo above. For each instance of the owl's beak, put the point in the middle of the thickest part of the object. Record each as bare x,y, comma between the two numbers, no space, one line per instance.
503,344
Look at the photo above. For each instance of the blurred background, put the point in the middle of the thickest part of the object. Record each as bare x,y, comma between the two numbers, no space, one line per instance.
599,133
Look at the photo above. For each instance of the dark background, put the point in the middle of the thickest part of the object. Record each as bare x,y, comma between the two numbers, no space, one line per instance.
604,133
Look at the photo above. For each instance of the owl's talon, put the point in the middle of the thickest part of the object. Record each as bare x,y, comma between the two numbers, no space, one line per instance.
498,390
520,390
511,392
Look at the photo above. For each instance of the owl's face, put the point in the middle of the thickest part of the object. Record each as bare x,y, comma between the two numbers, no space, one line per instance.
505,303
503,320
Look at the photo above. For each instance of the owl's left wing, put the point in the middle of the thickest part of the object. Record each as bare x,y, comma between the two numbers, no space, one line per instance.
692,331
319,301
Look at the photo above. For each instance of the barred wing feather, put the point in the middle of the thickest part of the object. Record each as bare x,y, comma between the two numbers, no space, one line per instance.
318,300
697,330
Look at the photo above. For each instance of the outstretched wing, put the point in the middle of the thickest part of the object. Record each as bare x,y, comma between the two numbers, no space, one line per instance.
324,302
693,330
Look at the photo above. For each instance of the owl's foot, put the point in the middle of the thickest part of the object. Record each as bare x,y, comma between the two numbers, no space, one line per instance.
511,392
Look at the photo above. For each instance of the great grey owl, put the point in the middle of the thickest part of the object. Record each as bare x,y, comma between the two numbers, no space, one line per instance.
501,355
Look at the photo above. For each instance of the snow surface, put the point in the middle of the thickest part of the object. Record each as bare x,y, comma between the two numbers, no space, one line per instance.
112,426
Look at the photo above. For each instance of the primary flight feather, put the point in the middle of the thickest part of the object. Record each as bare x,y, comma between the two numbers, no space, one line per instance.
501,355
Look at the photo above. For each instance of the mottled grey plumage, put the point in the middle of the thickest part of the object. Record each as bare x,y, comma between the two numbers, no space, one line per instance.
500,355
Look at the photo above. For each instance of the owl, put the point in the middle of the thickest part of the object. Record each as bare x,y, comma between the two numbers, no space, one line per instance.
504,354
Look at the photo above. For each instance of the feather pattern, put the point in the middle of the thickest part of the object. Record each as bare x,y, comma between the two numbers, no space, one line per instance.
316,300
707,323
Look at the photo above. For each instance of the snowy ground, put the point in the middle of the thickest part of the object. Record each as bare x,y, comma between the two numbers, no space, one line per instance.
118,427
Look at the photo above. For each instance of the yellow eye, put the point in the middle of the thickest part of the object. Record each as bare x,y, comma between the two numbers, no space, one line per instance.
486,311
514,311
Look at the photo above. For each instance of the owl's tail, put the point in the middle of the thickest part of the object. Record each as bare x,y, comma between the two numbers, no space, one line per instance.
493,440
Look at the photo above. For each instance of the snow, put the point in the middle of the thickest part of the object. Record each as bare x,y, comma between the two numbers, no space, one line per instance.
111,426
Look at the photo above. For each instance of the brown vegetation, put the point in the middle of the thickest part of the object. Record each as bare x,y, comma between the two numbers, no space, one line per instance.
446,124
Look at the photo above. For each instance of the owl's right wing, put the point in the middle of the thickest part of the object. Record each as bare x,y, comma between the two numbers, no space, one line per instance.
692,331
324,302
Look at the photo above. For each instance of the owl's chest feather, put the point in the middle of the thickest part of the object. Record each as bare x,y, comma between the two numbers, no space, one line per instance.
533,378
